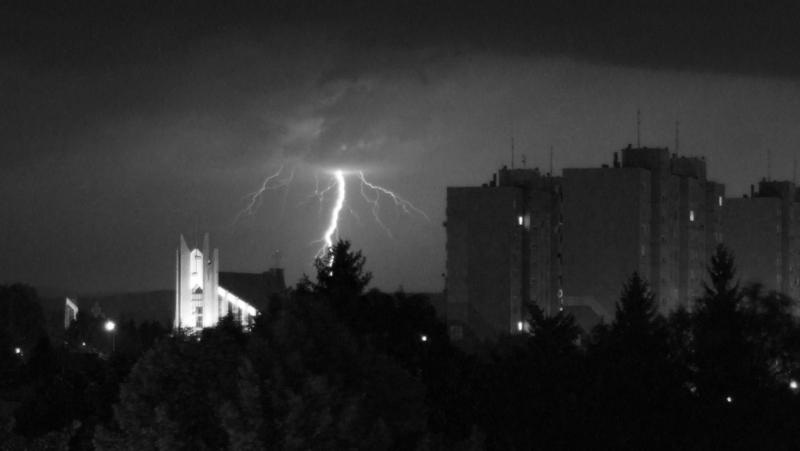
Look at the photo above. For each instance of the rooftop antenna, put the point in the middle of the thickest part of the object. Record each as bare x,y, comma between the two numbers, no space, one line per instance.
276,257
794,173
677,123
551,161
195,231
523,161
638,129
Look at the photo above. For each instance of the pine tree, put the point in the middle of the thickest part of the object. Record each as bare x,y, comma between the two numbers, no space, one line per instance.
341,279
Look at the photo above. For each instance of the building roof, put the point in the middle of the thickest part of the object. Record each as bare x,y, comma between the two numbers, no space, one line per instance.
254,288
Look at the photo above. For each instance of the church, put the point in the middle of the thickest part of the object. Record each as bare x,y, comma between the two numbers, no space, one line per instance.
204,295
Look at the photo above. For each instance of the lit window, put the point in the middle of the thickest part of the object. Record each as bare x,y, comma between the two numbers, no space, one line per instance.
519,326
520,220
691,215
720,201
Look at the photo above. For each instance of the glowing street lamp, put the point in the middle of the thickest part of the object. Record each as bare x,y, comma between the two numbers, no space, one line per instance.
110,327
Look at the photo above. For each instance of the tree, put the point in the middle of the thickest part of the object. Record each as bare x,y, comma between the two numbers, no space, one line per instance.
340,273
554,335
720,344
636,393
636,314
745,348
174,394
298,380
21,315
527,392
86,332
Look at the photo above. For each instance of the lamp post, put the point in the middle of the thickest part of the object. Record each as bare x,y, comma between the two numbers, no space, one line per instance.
110,327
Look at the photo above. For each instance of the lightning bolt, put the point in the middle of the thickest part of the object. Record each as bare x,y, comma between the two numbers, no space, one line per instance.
255,196
399,202
319,194
333,225
371,193
375,206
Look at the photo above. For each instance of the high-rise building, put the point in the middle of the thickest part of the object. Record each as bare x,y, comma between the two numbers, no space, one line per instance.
763,231
502,249
652,213
571,242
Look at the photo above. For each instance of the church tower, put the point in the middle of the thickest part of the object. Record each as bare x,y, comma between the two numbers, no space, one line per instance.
196,287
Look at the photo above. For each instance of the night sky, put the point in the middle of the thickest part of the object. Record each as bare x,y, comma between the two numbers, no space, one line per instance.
125,125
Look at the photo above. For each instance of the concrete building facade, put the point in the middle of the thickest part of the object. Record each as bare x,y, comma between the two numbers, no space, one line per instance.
571,242
763,231
503,242
651,212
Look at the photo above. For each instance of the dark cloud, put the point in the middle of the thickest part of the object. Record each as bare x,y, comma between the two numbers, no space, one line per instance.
724,36
124,123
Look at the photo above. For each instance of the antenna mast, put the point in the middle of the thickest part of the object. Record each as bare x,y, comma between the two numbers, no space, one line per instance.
677,123
523,161
638,129
794,172
551,161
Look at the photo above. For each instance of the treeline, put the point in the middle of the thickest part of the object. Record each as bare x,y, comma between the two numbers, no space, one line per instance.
333,366
56,389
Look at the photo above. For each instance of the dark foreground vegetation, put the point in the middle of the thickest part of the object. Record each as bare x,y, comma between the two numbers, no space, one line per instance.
332,366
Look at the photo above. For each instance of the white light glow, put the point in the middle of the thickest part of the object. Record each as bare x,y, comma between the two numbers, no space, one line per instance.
424,338
17,350
519,220
720,201
729,399
236,301
333,226
691,215
519,326
793,385
110,325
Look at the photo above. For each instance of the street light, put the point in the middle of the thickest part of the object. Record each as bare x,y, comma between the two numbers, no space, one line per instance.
110,327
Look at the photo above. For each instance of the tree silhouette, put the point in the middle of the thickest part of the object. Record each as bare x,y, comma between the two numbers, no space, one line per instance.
635,393
636,311
721,348
21,316
341,279
340,273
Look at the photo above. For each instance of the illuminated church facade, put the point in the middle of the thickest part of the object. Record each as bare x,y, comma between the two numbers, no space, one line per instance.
200,301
